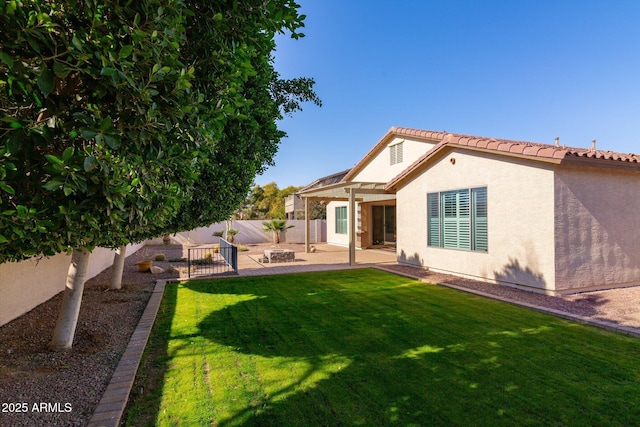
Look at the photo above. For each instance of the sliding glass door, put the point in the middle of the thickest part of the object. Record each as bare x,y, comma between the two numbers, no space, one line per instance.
383,225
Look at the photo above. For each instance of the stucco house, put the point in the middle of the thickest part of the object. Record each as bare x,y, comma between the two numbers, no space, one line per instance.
542,217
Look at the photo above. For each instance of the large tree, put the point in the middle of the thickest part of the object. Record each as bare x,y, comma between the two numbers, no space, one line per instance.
92,97
121,121
249,139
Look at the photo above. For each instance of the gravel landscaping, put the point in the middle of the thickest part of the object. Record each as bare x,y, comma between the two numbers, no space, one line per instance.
39,387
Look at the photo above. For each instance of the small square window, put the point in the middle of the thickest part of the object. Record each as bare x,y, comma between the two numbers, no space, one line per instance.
395,153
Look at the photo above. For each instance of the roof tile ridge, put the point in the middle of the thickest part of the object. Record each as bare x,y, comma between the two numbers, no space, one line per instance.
424,133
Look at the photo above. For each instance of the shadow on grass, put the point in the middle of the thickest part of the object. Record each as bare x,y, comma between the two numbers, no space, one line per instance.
146,395
369,348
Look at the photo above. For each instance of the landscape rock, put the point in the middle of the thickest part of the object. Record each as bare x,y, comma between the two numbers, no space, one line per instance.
156,270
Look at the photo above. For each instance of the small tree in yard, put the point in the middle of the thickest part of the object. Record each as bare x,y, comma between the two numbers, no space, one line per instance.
116,118
276,226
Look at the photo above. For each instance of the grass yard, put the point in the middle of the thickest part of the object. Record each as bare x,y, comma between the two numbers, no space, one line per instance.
367,348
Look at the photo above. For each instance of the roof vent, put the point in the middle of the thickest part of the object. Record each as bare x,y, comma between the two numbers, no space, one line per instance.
593,145
557,141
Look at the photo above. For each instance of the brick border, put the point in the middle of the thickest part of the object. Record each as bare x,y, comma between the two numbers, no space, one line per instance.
114,400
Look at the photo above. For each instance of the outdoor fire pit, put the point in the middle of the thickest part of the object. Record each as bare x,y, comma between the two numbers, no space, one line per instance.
278,255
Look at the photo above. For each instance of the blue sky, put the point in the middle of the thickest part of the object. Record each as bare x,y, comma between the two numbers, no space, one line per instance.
516,69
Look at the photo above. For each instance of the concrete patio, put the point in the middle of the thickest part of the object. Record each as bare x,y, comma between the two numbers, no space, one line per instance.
326,257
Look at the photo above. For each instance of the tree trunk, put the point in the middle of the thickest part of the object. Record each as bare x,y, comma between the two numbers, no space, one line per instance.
118,268
277,237
70,309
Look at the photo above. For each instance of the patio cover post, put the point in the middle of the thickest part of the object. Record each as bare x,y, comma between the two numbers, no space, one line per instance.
306,225
352,226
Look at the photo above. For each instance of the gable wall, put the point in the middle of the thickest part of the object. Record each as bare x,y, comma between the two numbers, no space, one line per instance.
597,227
520,219
379,168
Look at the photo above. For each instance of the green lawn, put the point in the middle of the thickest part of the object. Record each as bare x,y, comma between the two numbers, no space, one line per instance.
364,347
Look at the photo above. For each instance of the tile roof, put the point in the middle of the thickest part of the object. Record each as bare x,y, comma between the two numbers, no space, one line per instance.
535,151
326,180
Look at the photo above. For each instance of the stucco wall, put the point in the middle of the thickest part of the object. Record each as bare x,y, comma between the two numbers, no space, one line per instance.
520,219
102,258
27,284
334,238
597,226
379,169
251,231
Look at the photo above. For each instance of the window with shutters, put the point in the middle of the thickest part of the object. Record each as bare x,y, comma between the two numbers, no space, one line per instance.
458,219
341,220
395,153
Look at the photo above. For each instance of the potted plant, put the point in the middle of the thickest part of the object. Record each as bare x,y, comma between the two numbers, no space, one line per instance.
145,263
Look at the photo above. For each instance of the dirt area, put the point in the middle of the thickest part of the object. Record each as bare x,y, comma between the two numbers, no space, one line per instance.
39,387
70,384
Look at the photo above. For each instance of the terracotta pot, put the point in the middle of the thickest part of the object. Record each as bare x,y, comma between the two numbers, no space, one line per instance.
144,266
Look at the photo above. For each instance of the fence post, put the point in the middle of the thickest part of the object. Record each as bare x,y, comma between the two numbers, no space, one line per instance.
234,258
189,263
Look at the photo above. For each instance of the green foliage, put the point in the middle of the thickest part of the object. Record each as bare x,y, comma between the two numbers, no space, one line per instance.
121,121
317,210
232,232
364,347
267,202
243,39
276,226
90,114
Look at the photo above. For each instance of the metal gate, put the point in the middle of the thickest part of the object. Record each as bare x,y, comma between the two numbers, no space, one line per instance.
206,261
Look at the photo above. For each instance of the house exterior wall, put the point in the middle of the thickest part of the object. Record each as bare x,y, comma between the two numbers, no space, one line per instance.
293,207
379,168
597,228
334,238
520,208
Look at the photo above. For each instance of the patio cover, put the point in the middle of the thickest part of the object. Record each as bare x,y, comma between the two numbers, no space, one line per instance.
345,191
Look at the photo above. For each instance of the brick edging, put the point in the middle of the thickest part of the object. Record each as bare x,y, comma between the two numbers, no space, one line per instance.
114,400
